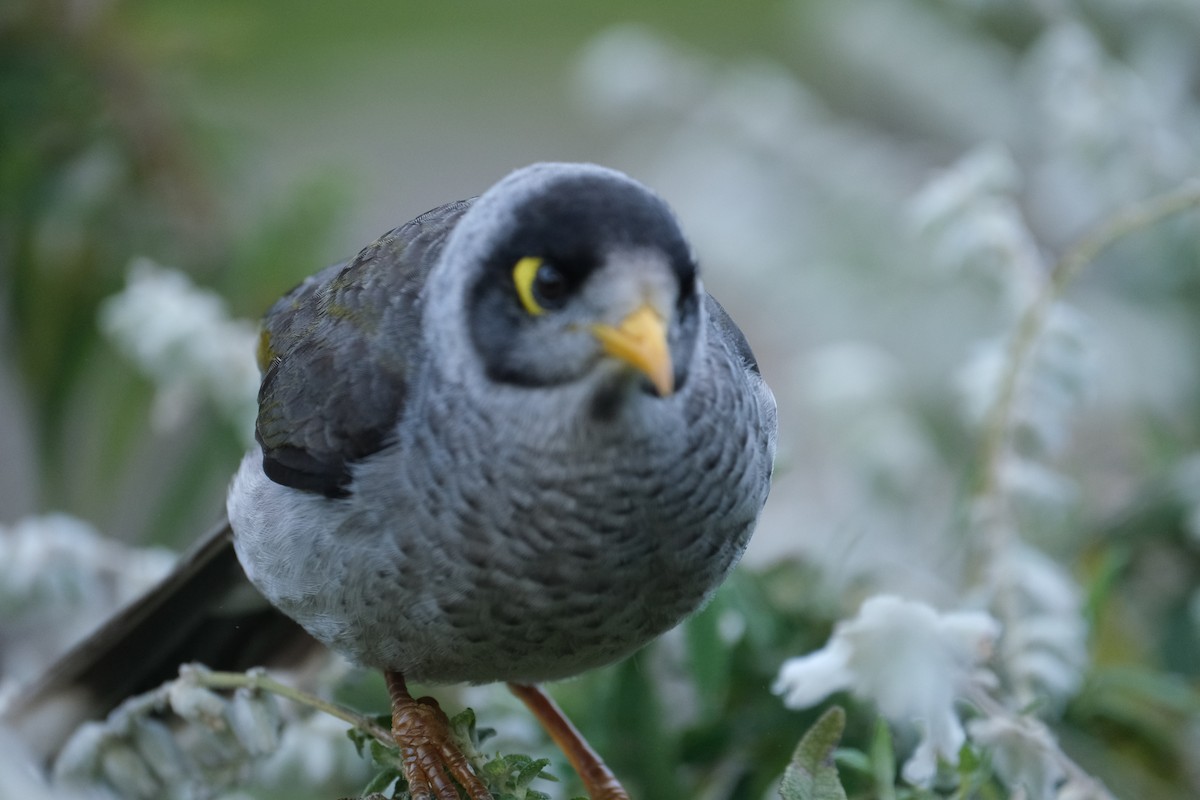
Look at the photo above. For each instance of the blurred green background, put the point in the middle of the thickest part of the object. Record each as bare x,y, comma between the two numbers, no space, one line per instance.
250,144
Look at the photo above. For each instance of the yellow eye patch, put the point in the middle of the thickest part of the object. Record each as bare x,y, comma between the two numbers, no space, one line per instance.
523,274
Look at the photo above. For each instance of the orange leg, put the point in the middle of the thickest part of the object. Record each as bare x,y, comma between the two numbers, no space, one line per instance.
601,784
430,755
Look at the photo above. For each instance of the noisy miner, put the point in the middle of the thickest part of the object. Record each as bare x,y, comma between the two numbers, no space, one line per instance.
512,440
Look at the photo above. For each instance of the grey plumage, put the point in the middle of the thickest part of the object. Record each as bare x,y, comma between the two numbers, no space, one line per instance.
335,355
526,527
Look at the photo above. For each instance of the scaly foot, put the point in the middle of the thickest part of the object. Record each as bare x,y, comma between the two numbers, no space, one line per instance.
429,754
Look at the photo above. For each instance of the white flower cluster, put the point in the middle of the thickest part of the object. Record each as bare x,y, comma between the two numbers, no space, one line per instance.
1025,754
971,216
1044,651
19,779
136,754
184,339
913,662
1049,392
58,579
872,480
919,666
184,740
313,750
1109,130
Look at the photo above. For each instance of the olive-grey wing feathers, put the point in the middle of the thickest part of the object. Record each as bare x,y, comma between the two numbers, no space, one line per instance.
337,353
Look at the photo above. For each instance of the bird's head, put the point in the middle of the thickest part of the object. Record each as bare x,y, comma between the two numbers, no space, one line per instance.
568,274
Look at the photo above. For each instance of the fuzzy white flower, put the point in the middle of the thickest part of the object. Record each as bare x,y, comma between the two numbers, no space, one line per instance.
973,222
184,339
183,739
1027,758
1043,495
985,171
911,660
58,579
1045,644
20,775
315,749
1057,381
1022,752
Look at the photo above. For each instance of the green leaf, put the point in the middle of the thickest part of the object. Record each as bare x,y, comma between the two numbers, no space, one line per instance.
847,758
462,725
883,761
530,771
709,655
381,781
812,775
359,738
975,774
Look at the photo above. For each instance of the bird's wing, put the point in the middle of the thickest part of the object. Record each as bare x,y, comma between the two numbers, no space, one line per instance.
337,353
320,409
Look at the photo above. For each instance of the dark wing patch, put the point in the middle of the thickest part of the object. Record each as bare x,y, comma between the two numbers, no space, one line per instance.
721,320
339,350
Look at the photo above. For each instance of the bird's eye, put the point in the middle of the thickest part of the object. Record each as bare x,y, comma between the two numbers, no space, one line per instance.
540,285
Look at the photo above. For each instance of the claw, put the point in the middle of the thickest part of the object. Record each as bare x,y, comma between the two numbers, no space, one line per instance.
429,754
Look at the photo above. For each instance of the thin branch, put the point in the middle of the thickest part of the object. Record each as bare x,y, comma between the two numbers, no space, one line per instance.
260,680
1032,322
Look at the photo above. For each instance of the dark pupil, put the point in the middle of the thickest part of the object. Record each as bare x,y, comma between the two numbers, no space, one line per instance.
549,285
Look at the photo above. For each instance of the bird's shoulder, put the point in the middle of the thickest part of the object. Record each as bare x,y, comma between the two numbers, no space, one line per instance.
337,355
729,333
738,347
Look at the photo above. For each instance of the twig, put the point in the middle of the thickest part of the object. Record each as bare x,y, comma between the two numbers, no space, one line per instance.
1030,326
259,679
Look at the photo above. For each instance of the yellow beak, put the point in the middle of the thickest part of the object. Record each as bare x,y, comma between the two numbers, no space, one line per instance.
640,340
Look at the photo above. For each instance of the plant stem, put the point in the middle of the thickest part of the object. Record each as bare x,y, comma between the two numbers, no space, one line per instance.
260,680
1032,322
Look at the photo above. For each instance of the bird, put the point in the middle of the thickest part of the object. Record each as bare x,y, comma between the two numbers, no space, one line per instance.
512,440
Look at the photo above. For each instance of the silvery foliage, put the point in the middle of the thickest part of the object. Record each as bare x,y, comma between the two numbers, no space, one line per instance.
185,740
59,578
183,338
181,737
